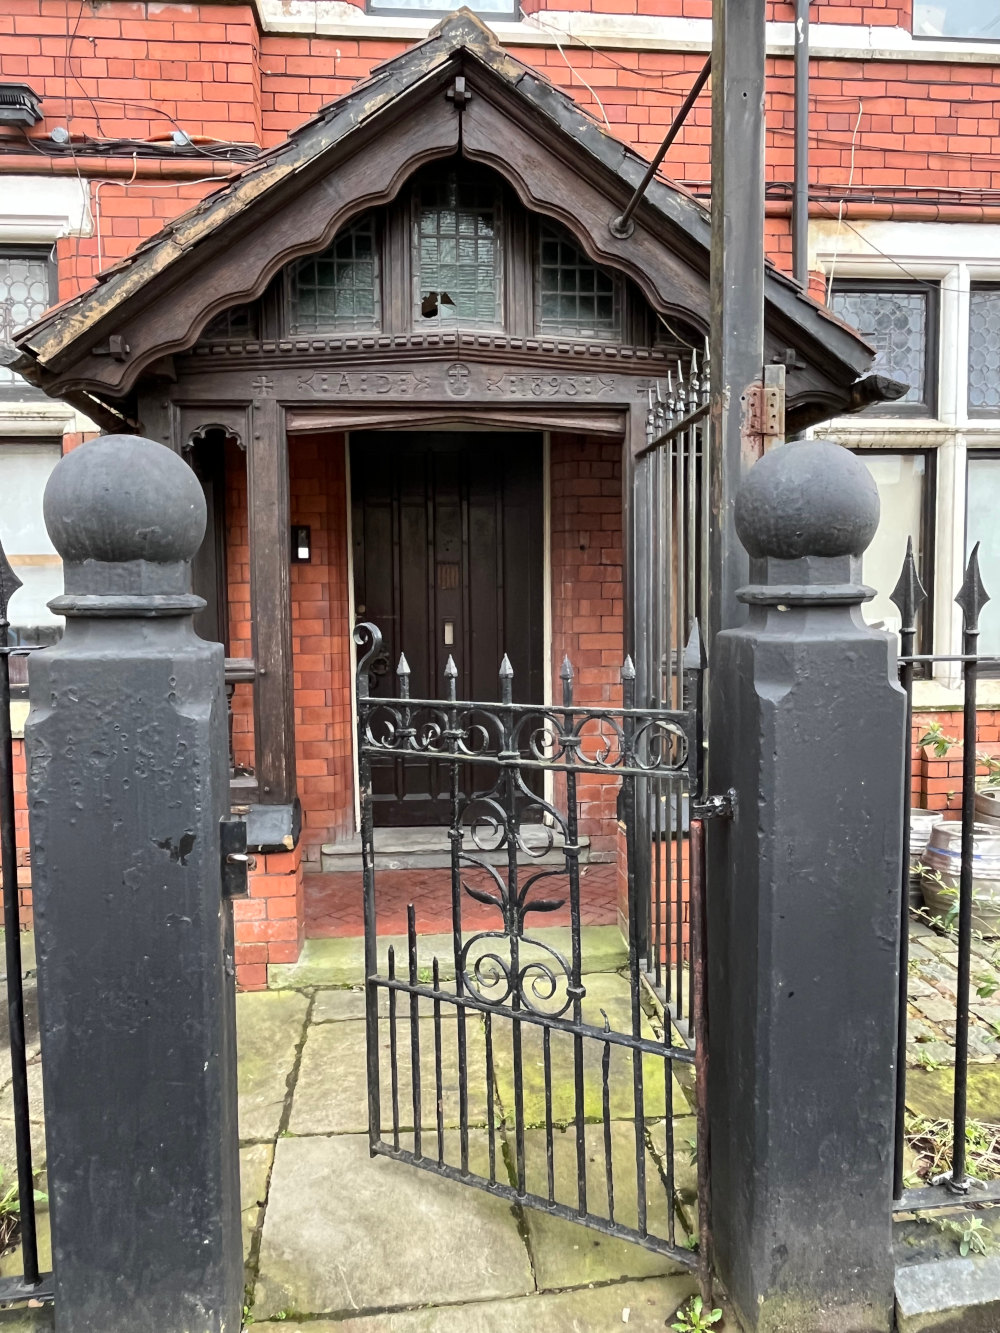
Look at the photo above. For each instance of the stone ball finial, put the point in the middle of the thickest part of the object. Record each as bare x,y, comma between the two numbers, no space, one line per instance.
807,498
122,498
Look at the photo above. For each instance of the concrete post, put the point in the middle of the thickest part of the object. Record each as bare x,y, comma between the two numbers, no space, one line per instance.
803,910
127,782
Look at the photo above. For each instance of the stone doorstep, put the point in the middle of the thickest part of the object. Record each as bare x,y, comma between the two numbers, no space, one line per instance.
949,1295
429,849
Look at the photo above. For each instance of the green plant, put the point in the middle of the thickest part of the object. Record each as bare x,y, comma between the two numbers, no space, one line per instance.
930,1142
987,985
10,1213
972,1235
939,741
694,1318
927,1062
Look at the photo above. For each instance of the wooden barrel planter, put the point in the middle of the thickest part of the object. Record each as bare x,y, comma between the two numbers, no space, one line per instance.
941,863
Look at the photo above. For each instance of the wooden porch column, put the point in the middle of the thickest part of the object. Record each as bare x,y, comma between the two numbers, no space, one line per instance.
269,525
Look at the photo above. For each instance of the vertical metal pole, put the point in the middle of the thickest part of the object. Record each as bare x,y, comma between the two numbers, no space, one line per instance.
12,947
737,279
971,598
800,169
908,595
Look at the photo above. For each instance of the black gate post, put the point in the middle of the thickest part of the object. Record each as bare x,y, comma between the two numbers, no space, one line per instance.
803,910
127,783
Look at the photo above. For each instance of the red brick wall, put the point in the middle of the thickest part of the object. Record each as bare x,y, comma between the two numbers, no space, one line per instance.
124,69
937,779
587,606
321,643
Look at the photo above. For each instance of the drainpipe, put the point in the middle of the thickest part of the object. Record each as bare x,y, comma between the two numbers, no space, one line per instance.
800,198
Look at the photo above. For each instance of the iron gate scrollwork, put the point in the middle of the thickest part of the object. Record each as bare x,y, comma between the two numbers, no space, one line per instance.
494,1057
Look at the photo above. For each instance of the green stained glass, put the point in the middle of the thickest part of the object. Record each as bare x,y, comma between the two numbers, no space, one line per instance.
458,251
575,296
337,289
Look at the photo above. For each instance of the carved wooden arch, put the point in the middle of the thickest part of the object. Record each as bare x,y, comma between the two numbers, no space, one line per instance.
230,269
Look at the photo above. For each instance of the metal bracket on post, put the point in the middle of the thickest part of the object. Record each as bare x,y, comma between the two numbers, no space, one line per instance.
763,418
716,807
236,861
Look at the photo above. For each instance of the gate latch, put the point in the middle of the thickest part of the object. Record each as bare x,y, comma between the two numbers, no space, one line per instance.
716,807
236,861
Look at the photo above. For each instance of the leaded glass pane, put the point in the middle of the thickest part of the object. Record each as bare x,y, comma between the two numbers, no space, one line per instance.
238,322
894,321
337,289
984,350
24,296
574,296
457,242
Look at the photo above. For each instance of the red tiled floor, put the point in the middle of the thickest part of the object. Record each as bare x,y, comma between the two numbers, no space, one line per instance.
334,901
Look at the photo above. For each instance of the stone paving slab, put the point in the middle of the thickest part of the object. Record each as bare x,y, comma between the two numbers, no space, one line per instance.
639,1307
605,995
269,1026
255,1163
346,1233
341,1005
36,1115
930,1092
341,962
331,1096
568,1254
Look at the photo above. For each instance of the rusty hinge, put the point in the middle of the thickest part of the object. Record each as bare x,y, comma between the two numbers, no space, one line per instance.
763,418
716,807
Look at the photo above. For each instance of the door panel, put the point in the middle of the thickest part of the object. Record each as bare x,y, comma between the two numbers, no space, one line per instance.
448,559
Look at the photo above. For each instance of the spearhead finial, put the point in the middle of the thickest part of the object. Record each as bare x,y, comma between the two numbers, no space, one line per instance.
972,596
694,651
506,670
402,666
909,594
628,669
9,584
566,670
450,669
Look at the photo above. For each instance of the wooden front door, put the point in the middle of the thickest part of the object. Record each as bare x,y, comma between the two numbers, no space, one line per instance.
448,559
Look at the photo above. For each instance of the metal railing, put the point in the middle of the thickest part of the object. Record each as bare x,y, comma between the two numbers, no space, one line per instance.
673,508
31,1283
944,1189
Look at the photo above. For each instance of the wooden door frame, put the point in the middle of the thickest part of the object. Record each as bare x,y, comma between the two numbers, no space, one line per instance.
546,634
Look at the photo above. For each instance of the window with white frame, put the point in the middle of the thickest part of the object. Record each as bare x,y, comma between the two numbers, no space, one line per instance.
27,289
905,481
976,19
928,297
900,320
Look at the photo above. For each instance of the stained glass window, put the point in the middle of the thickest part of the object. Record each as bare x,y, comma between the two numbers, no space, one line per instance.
898,320
984,351
573,295
457,244
24,296
337,289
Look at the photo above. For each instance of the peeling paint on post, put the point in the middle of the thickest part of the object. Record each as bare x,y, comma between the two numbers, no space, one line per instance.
127,781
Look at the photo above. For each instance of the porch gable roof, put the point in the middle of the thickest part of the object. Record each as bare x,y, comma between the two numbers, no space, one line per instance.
53,348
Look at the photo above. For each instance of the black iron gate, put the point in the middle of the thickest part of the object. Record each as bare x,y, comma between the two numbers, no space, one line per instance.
31,1283
501,1055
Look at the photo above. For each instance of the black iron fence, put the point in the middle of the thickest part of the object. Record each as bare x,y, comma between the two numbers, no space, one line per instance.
566,1098
671,561
945,889
31,1283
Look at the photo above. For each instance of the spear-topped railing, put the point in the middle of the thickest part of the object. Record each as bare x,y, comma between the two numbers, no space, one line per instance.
910,598
31,1283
